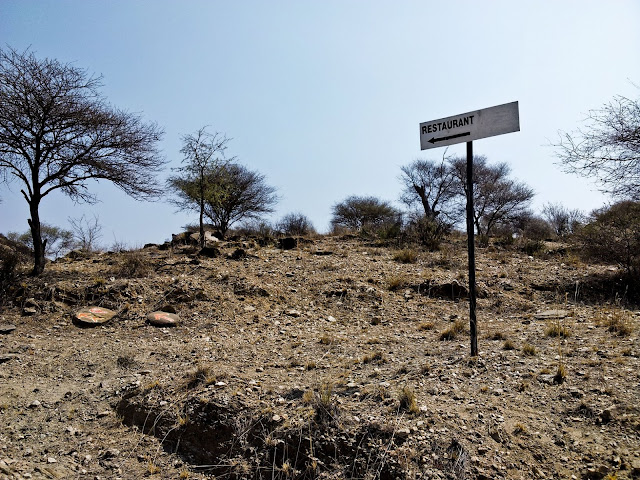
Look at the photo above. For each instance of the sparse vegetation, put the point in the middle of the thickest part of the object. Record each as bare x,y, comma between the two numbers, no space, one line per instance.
529,350
406,256
408,401
556,328
452,331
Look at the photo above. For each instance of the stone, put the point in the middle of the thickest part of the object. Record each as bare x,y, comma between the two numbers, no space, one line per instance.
209,252
168,308
287,243
6,328
551,315
163,319
93,316
7,357
31,307
238,254
208,238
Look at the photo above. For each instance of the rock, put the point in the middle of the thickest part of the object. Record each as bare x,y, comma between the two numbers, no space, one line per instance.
608,414
551,315
209,252
163,319
208,238
93,316
150,245
238,254
287,243
293,313
168,308
35,404
7,357
6,328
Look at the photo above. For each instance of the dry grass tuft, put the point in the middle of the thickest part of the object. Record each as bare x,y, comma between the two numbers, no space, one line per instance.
459,326
408,400
406,256
618,322
557,329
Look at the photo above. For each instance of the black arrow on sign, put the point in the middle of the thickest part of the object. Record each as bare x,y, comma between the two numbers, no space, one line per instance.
442,139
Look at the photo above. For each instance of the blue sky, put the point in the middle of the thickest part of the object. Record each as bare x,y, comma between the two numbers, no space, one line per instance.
325,97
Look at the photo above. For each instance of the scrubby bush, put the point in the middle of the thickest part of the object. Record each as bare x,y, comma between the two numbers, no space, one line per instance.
295,224
261,230
613,236
57,241
368,213
426,232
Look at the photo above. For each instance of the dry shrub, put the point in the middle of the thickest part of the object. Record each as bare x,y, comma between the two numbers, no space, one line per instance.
618,322
406,256
133,265
325,406
408,400
450,333
557,329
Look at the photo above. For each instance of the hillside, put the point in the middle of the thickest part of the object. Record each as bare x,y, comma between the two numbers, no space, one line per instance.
329,360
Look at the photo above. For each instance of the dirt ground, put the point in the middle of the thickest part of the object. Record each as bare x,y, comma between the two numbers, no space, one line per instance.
333,359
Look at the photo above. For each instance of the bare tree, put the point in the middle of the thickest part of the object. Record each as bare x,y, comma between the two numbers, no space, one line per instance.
430,184
496,198
607,148
295,224
232,193
203,153
86,232
57,133
562,220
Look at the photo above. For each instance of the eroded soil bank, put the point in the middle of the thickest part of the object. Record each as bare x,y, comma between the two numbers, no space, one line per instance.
330,360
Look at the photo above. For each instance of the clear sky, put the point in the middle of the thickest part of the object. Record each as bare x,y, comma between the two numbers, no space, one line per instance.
325,97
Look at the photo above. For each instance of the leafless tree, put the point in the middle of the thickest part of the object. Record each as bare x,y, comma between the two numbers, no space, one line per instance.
295,224
431,184
203,152
57,133
496,197
607,148
562,220
86,232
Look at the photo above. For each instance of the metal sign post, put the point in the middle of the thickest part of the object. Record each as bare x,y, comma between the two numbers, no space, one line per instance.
467,127
472,254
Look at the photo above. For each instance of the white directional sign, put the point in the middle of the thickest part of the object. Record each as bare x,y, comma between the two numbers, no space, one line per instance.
466,127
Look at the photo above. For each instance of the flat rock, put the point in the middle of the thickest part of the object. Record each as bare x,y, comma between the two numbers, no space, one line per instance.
551,314
6,328
92,316
163,319
7,357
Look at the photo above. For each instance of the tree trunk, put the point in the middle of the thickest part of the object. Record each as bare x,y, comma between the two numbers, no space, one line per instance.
201,239
428,211
39,259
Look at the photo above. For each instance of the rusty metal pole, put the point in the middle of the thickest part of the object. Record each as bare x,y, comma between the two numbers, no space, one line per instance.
472,255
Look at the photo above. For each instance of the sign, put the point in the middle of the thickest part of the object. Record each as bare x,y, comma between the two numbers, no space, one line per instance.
470,126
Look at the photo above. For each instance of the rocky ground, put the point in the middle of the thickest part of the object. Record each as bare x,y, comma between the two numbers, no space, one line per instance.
333,359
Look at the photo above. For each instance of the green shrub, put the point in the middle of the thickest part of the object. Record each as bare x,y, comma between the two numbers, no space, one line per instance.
613,236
